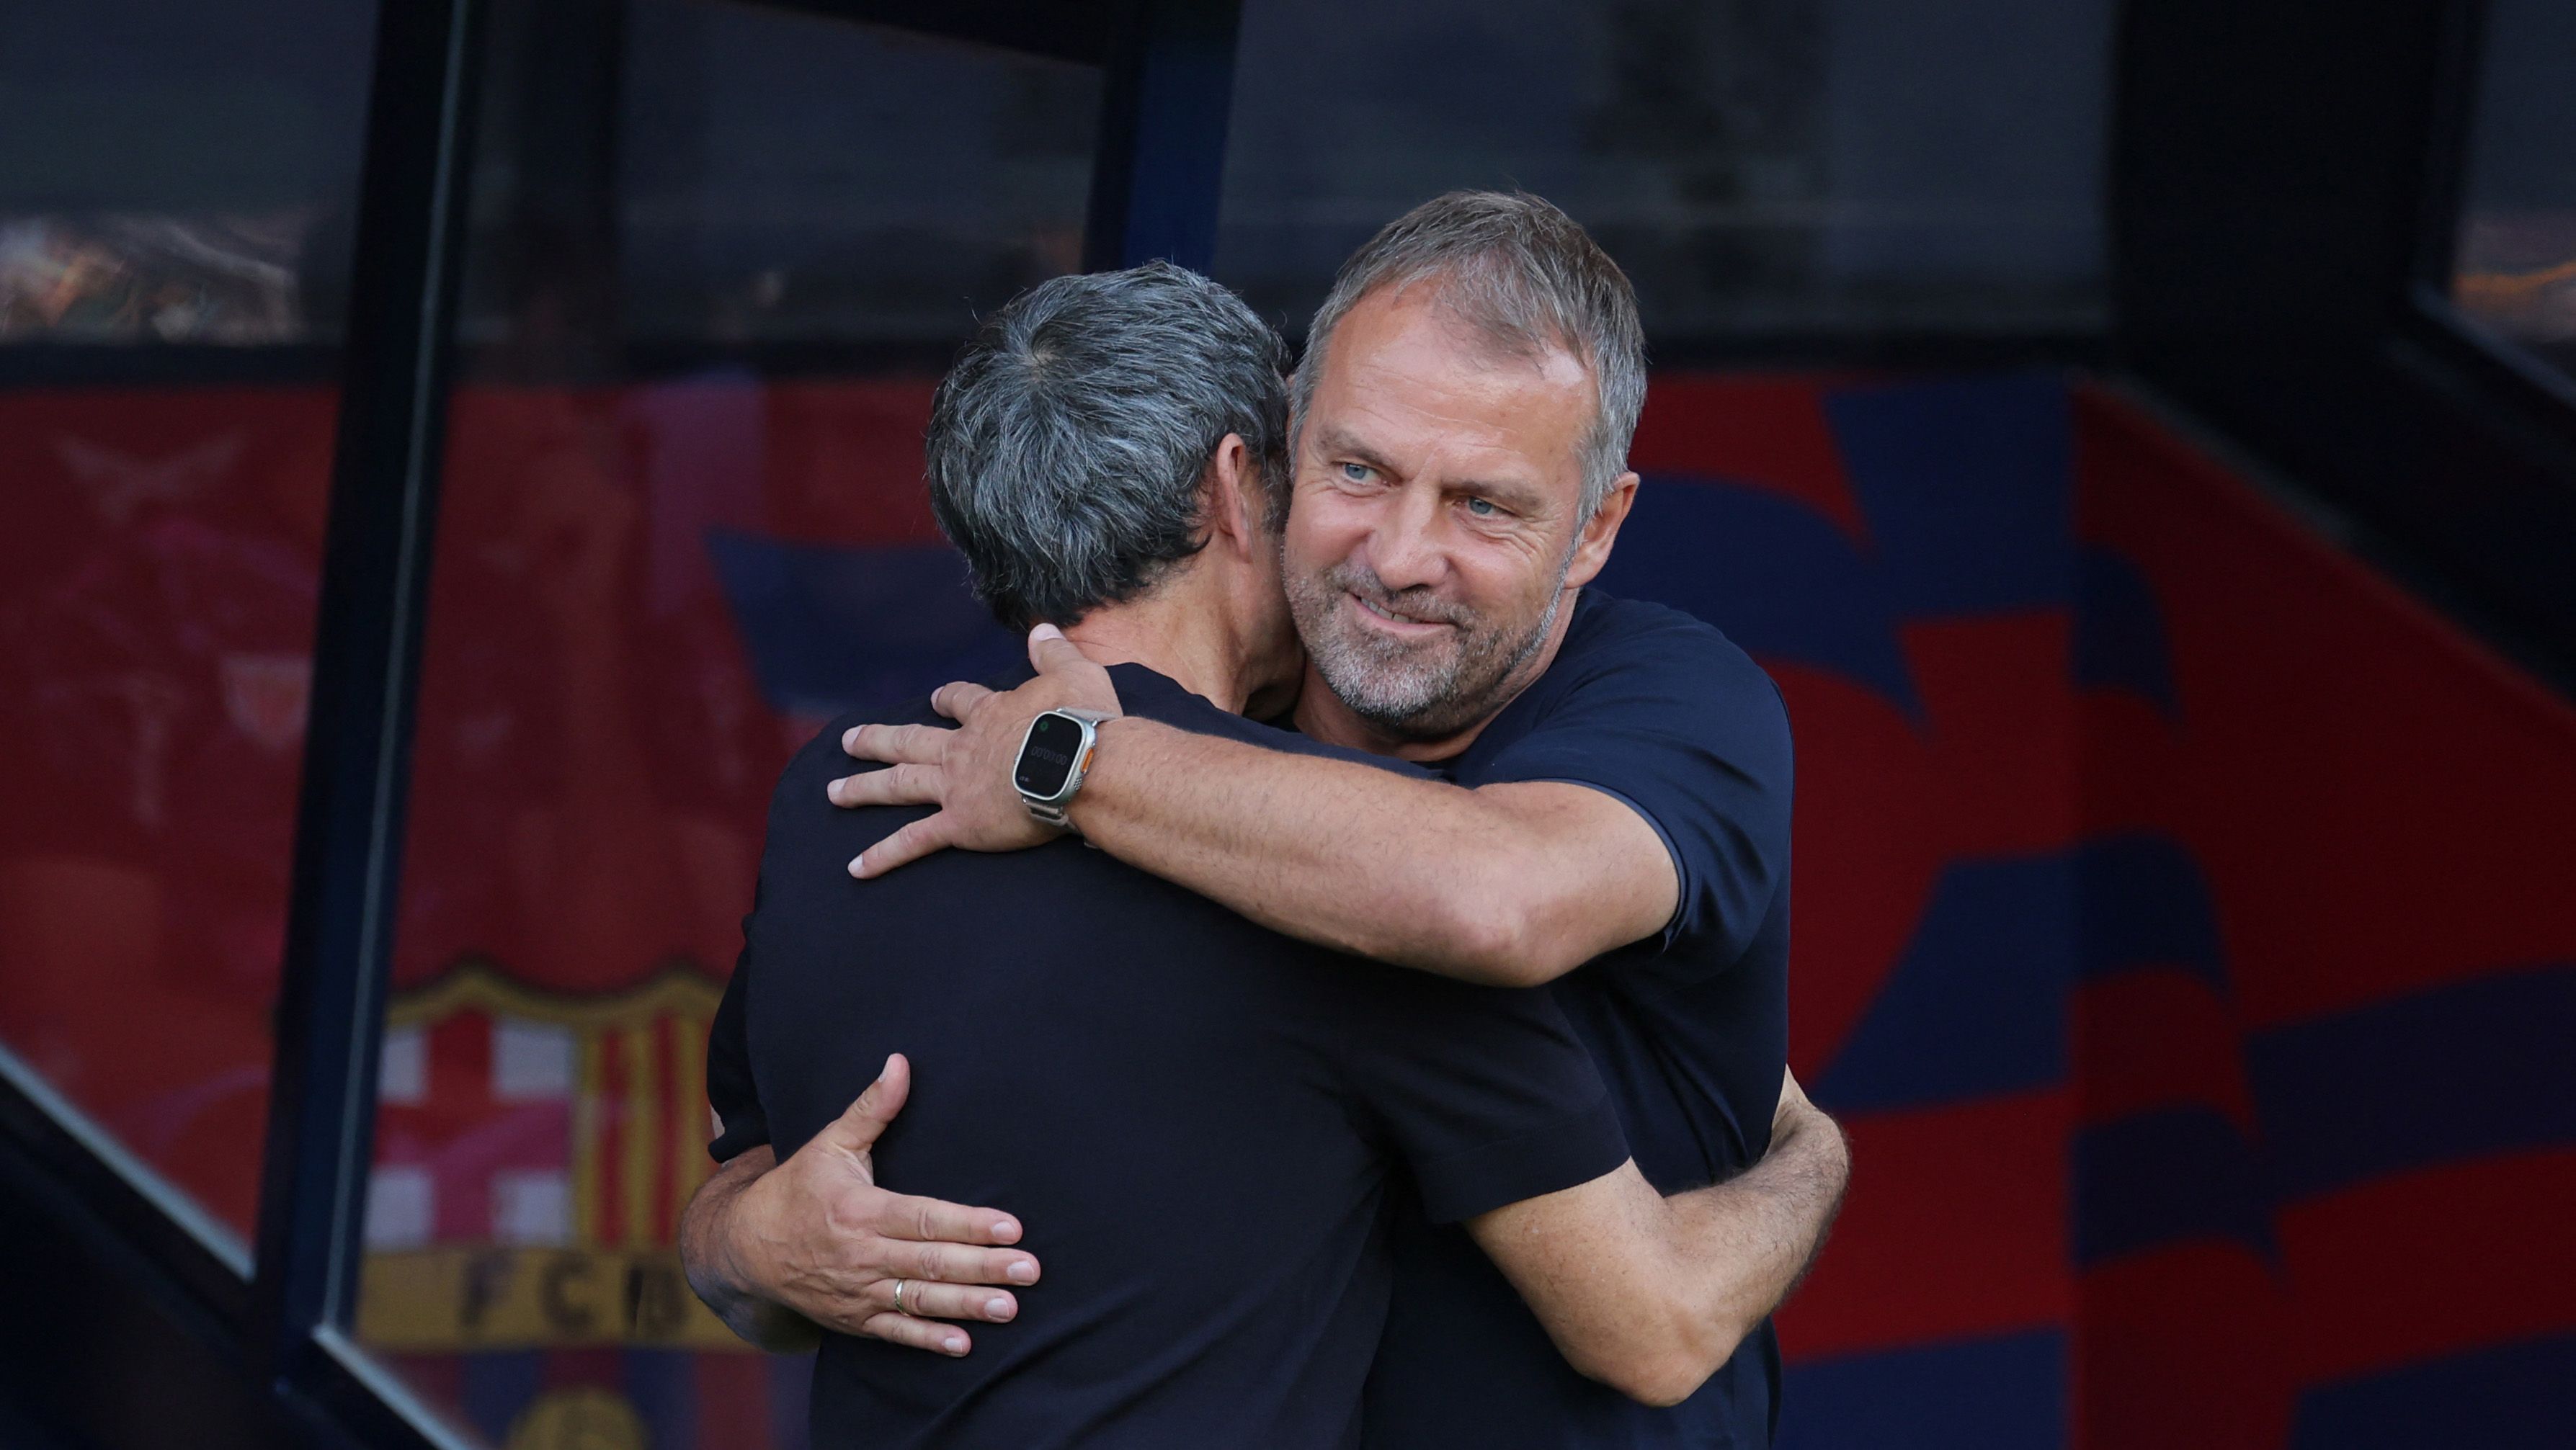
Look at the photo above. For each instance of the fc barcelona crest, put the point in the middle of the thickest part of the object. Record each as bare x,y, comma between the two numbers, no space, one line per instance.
533,1153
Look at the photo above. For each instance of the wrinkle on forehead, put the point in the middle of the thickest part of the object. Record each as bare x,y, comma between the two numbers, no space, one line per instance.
1501,340
1421,370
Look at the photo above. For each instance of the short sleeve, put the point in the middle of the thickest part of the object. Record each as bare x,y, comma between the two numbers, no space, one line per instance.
1485,1093
741,1124
1683,727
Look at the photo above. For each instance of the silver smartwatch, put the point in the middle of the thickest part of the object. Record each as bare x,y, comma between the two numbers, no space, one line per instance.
1054,755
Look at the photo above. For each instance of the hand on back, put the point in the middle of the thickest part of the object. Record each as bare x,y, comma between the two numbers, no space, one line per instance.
966,772
817,1235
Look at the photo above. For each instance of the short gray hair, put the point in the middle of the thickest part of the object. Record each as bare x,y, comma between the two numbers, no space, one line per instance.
1529,278
1068,444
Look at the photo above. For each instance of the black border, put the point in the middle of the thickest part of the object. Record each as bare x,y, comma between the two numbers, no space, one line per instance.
374,585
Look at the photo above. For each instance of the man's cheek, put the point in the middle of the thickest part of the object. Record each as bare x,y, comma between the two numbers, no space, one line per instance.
1324,527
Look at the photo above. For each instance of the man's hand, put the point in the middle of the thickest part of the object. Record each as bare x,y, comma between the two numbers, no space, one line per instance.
815,1238
966,772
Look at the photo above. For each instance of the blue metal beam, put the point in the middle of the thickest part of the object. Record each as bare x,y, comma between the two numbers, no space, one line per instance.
357,754
1161,159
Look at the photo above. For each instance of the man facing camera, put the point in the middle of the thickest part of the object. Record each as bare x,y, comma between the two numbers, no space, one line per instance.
1606,808
1197,1118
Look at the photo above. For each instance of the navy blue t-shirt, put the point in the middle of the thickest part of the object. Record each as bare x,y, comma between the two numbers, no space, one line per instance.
1690,1028
1196,1120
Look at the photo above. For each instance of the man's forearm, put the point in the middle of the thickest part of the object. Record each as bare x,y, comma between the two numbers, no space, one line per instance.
1299,844
1743,1244
715,1271
1494,888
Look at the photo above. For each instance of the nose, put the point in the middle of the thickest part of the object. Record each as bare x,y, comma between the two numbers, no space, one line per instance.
1403,549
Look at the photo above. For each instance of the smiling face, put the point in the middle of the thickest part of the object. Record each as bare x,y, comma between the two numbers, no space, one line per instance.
1435,525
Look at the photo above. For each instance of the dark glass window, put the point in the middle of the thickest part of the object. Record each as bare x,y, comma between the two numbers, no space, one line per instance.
646,594
176,172
767,197
1762,168
665,181
2514,267
172,174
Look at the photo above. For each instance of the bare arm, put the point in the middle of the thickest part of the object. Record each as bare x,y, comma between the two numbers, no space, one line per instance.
784,1251
1508,885
1651,1295
707,1230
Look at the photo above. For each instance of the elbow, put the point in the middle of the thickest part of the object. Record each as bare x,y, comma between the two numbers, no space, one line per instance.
1660,1381
1497,935
1482,943
1663,1386
1672,1366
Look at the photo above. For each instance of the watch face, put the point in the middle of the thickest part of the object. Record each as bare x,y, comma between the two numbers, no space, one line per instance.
1046,760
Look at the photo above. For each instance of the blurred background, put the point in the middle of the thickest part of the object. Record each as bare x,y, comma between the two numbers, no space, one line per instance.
2138,435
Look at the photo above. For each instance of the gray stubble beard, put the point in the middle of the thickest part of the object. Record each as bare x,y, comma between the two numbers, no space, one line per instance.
1387,683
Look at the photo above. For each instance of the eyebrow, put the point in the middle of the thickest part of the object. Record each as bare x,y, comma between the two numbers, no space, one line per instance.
1341,442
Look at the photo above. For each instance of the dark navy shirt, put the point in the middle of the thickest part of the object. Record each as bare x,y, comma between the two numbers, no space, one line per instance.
1690,1027
1195,1119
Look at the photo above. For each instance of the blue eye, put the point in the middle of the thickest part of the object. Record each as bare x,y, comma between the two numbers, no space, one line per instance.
1357,472
1482,508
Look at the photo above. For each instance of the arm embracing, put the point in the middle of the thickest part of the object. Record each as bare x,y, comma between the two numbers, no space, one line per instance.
1512,884
717,1273
1600,1266
1652,1295
784,1250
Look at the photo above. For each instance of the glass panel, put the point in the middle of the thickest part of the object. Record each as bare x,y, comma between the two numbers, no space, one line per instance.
747,214
170,175
1761,168
2515,265
178,173
647,594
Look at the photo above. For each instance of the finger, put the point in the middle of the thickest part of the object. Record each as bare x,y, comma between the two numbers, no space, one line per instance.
905,846
958,699
929,1300
899,785
933,1220
867,1115
958,1264
1060,660
1050,650
927,1334
898,744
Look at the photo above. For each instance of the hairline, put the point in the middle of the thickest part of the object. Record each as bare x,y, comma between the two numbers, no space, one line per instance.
1496,342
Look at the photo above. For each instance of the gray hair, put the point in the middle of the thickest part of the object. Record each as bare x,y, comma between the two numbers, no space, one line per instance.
1526,276
1068,444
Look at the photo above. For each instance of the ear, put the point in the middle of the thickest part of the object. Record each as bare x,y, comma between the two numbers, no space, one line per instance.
1235,506
1592,550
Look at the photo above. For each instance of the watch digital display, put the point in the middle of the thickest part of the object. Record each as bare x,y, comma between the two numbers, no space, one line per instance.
1046,758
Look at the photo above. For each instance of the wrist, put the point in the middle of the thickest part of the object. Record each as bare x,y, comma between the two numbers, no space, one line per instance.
1115,743
735,1240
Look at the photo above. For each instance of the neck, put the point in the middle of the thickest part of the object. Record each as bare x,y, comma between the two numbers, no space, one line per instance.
1175,634
1322,715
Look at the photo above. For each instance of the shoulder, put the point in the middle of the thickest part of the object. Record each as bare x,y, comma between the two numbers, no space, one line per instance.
1653,654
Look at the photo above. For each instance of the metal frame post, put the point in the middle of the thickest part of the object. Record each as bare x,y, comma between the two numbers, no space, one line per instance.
1161,158
366,667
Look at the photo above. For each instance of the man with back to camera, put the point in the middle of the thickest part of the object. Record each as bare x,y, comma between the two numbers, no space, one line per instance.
1196,1114
1610,809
